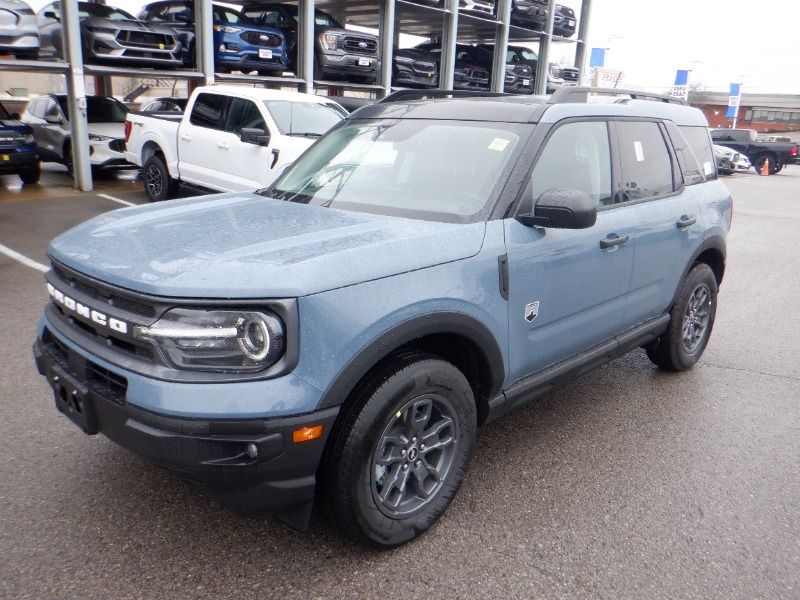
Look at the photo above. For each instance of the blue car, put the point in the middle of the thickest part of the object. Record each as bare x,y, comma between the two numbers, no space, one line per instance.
239,44
19,153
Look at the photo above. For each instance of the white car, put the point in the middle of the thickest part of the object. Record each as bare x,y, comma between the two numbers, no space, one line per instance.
730,161
229,138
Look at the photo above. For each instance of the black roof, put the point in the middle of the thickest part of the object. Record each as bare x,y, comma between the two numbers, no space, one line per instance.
511,109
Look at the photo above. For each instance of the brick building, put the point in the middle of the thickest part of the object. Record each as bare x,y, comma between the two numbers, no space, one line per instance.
771,113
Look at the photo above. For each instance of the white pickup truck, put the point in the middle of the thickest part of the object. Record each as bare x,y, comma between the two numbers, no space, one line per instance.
229,138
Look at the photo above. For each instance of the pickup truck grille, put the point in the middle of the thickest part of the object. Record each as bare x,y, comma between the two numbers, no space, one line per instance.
266,40
570,74
359,45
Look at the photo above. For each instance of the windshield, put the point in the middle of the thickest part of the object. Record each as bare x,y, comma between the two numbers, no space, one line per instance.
4,113
99,109
87,9
304,118
435,170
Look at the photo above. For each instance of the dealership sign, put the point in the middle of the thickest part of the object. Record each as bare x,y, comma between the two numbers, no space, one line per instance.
681,87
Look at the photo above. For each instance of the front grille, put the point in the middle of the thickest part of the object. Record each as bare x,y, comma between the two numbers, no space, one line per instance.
117,145
359,45
267,40
87,287
570,74
480,75
100,380
145,39
424,68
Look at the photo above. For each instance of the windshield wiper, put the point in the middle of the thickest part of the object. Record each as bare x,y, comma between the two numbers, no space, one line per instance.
306,134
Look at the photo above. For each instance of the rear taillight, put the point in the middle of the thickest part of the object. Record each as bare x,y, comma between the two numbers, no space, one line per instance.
128,127
793,151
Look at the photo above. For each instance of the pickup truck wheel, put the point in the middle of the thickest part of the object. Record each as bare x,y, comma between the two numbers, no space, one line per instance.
402,451
691,322
760,163
31,176
158,185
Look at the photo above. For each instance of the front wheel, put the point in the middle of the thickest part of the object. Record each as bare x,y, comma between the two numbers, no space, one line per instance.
158,185
31,176
402,451
691,321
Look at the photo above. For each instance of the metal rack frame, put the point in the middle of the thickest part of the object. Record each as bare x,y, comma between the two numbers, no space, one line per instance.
389,17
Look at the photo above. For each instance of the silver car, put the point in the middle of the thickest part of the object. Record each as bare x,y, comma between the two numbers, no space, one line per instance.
19,32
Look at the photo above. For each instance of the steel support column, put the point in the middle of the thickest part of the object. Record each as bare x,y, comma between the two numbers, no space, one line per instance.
583,36
76,97
387,37
543,66
449,35
501,46
204,40
305,45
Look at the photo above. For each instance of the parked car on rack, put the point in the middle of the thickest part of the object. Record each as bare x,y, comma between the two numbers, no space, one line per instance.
414,67
425,268
468,75
110,35
19,32
775,154
561,75
229,139
338,52
48,116
166,104
519,76
564,21
479,8
239,45
18,151
729,161
530,14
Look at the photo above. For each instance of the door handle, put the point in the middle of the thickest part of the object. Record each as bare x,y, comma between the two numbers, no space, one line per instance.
614,240
685,221
186,138
224,146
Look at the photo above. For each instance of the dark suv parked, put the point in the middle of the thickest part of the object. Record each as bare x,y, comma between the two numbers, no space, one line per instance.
564,21
338,52
414,67
18,150
519,76
239,45
468,74
531,14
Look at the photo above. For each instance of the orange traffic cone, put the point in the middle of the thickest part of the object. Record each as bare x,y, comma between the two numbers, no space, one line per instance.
764,168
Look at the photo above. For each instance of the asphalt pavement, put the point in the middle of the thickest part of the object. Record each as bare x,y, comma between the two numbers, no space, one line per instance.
627,483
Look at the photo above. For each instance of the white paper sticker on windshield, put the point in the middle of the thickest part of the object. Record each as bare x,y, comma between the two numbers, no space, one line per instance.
637,146
498,144
707,168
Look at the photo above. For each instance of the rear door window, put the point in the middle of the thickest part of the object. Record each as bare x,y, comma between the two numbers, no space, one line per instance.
646,162
207,111
690,166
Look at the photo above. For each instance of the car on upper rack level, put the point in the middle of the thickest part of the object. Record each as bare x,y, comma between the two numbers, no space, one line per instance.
19,32
432,263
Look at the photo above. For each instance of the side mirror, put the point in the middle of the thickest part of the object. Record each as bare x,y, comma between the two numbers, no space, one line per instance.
254,136
49,14
562,209
54,119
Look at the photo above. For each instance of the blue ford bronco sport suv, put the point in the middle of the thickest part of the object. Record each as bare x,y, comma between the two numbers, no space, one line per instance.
427,266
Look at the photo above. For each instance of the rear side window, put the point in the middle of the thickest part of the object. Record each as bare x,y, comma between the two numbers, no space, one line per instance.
646,162
243,114
700,143
575,157
207,111
690,166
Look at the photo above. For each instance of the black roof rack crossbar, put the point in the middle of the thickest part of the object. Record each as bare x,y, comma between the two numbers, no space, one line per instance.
579,95
404,95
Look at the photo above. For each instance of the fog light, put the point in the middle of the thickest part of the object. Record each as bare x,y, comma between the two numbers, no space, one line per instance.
251,450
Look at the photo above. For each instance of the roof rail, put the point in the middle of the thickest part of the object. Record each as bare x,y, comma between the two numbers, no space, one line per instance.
403,95
580,94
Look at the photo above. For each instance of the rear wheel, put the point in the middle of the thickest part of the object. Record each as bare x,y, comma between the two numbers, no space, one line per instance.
31,176
158,185
691,322
759,164
401,452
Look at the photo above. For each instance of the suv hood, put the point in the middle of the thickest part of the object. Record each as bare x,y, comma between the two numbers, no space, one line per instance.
249,246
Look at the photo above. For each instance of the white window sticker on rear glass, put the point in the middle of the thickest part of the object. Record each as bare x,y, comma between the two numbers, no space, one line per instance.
637,146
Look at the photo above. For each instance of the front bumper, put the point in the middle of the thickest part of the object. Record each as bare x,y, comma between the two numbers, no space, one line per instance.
349,64
250,60
213,452
114,47
108,153
13,160
407,74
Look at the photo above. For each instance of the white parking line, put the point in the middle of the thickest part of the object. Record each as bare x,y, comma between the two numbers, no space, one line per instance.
28,262
117,200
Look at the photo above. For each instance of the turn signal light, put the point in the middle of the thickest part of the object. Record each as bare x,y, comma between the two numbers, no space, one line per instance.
306,434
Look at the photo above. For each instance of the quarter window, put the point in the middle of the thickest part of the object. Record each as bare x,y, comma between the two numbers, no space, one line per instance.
700,144
576,157
243,114
646,163
207,111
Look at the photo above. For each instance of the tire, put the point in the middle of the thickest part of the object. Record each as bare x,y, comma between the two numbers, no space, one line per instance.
691,321
158,185
385,505
773,167
31,176
68,159
778,168
725,166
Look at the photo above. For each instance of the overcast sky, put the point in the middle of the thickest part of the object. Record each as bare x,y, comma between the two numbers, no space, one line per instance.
721,41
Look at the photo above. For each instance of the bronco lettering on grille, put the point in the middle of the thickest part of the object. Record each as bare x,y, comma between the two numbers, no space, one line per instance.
86,312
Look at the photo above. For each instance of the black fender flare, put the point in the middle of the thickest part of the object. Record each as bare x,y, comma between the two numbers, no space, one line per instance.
714,242
440,322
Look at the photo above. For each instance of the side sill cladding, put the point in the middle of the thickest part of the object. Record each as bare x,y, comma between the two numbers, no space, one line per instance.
405,333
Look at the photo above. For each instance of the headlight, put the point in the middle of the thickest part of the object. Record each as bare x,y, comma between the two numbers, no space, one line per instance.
99,138
328,41
28,138
217,340
404,59
227,29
